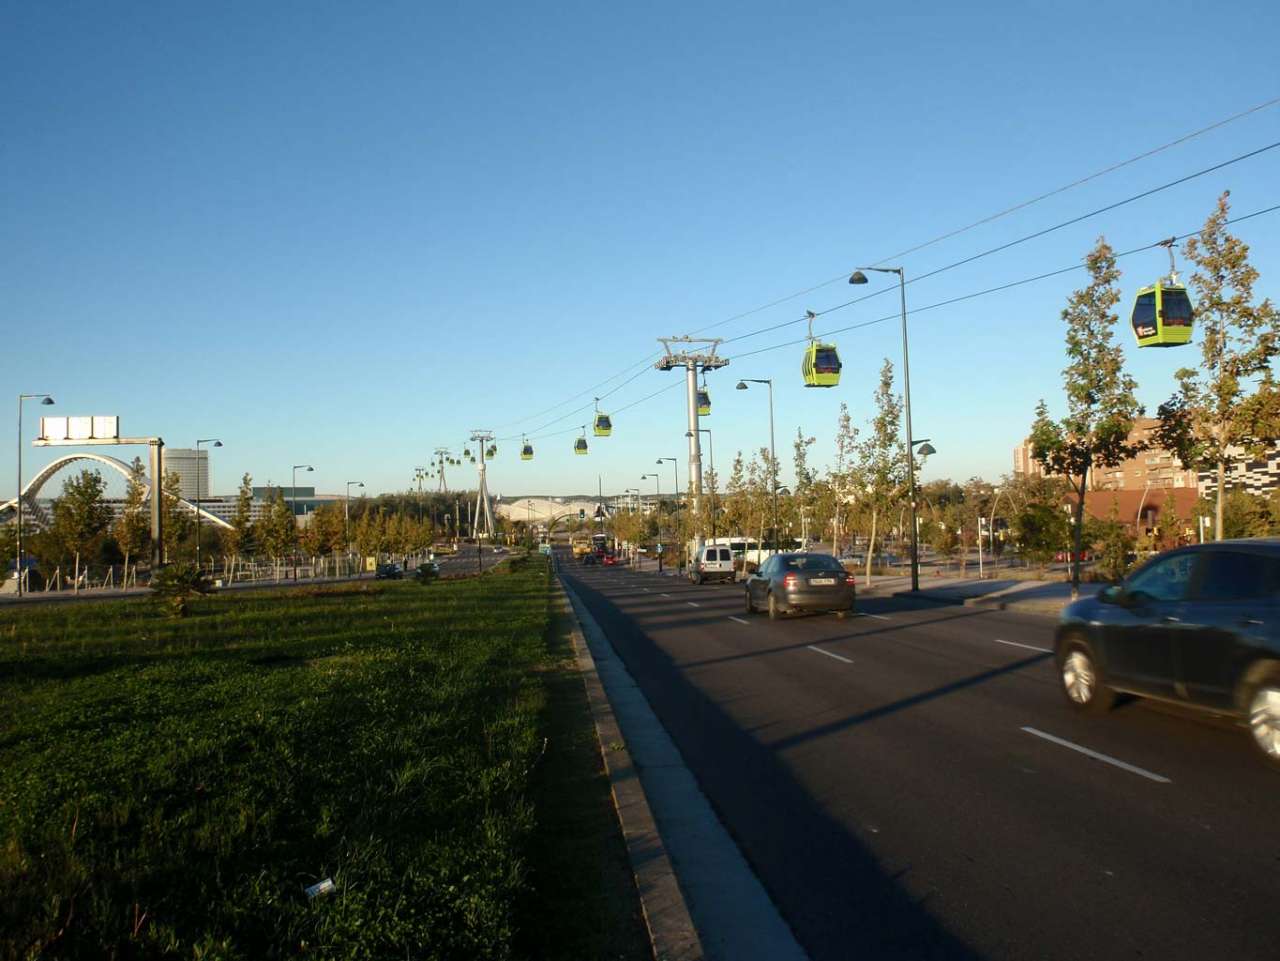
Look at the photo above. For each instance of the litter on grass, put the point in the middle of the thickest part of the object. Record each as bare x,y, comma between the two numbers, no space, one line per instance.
320,888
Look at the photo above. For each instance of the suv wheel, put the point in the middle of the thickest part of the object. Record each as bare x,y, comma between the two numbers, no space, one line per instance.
1264,718
1082,681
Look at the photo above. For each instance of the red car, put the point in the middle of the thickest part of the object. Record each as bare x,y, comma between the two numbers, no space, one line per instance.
610,560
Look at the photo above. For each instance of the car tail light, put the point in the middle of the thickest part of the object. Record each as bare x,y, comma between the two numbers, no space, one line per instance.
850,580
789,581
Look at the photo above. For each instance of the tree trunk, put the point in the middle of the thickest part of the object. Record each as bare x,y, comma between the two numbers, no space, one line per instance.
1078,536
76,583
871,543
1222,496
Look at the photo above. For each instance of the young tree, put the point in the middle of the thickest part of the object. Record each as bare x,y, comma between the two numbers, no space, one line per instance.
1114,543
1041,530
881,467
132,529
81,517
1101,405
1228,409
238,539
277,531
840,476
178,521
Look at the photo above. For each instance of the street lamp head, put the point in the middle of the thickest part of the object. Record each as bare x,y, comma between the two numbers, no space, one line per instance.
48,401
217,443
857,277
926,449
742,385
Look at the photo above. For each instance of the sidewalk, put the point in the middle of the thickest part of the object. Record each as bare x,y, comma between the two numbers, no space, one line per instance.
1028,597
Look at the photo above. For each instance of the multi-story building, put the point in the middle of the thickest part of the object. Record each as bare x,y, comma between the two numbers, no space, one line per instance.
192,468
1254,476
1152,469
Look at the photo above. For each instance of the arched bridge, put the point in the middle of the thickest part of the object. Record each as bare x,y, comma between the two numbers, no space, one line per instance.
545,511
36,484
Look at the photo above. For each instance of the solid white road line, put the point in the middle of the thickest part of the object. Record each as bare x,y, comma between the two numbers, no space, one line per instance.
1029,647
692,604
829,654
878,617
1100,757
739,620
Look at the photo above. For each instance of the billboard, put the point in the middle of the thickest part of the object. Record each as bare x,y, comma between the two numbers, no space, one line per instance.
79,428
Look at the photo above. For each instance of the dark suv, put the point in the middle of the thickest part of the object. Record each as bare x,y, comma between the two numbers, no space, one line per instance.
1198,626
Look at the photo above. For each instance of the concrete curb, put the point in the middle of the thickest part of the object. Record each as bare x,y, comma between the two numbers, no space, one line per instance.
672,934
1040,608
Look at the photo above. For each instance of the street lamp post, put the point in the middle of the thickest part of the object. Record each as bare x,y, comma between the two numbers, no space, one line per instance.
657,506
773,454
858,277
47,401
216,443
675,479
293,509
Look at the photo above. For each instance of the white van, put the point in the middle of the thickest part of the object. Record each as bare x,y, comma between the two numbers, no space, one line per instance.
714,562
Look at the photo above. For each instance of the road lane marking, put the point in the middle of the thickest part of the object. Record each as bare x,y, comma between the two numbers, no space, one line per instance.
1029,647
829,654
739,620
878,617
664,595
1132,769
692,604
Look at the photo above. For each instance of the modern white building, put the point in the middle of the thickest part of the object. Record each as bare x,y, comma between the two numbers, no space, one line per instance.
192,468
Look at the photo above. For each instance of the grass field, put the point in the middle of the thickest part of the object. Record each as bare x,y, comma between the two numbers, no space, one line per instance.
168,788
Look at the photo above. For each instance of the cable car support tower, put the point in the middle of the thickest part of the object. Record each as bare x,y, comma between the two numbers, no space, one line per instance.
693,354
483,526
442,457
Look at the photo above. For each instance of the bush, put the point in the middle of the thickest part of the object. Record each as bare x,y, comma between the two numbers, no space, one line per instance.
178,584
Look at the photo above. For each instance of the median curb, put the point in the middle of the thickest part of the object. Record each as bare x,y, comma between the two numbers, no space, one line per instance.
1043,608
672,934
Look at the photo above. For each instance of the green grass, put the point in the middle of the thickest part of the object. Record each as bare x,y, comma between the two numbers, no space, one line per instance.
169,787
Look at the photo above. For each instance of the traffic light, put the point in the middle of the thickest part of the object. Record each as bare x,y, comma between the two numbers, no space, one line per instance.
582,514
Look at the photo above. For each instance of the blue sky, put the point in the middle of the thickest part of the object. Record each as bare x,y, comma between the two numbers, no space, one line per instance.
345,234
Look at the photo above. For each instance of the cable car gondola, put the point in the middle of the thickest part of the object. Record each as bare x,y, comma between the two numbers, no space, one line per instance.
603,426
704,400
1162,313
821,364
526,452
580,445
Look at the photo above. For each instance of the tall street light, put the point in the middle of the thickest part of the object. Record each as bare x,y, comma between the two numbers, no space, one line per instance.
858,277
711,452
47,401
636,491
293,508
675,479
346,516
657,506
773,453
216,443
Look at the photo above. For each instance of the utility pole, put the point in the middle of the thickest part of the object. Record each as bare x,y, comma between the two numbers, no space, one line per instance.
693,354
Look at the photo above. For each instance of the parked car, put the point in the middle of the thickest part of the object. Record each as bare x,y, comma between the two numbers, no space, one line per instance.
610,560
800,582
713,563
390,571
427,571
1071,556
1197,626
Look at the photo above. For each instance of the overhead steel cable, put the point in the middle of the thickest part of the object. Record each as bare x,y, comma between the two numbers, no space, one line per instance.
1005,212
1013,243
990,290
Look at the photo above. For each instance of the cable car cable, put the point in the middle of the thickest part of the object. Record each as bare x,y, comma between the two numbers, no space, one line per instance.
1003,213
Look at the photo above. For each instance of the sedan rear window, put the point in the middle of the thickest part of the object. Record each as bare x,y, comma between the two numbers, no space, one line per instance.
812,562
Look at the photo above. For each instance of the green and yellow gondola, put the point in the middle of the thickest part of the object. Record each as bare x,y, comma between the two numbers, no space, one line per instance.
1162,313
526,451
704,401
580,445
821,364
602,426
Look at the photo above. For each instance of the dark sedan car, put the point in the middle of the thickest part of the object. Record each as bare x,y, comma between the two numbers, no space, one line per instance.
1198,626
390,571
800,582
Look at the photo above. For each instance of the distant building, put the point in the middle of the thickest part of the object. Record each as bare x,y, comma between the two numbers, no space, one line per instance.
1254,476
1154,468
192,468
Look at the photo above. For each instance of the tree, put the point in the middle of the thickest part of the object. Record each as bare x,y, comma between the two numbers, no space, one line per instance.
178,521
278,530
881,466
1115,544
1228,409
81,517
1041,530
238,539
132,529
1101,404
840,476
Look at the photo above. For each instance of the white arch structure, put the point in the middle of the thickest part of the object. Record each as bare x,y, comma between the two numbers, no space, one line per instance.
36,484
544,510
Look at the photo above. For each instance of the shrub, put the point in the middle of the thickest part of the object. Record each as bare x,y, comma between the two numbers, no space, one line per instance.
177,584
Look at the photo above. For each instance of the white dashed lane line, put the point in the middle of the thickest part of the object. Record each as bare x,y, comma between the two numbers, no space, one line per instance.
1029,647
664,595
1104,758
692,604
739,620
829,654
878,617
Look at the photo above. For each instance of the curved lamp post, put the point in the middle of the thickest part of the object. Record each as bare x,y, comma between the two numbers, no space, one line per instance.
773,453
216,443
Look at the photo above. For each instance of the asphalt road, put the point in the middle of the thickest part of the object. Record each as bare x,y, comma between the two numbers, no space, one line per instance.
909,783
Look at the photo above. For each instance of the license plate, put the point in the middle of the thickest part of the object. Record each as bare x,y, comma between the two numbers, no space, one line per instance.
823,581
